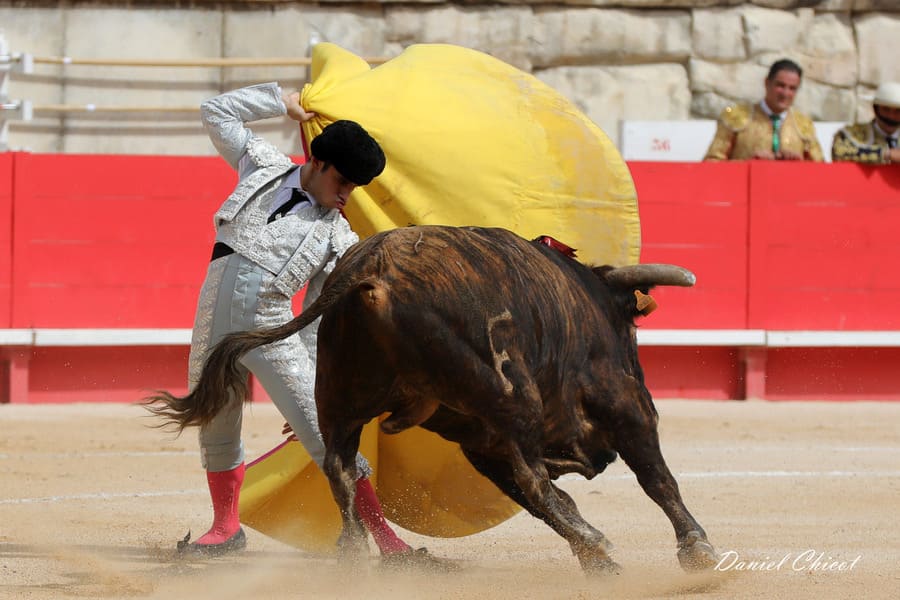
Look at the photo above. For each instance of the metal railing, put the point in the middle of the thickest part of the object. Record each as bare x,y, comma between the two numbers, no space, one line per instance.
23,63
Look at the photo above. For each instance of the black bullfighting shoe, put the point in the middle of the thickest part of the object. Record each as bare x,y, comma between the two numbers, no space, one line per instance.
235,543
418,558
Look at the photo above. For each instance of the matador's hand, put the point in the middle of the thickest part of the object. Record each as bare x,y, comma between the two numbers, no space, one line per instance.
288,430
788,155
894,155
764,155
294,110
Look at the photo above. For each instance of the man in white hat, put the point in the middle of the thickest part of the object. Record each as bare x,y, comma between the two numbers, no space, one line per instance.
875,142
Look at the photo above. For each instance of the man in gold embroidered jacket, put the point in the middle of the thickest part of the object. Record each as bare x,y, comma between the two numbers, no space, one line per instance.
771,129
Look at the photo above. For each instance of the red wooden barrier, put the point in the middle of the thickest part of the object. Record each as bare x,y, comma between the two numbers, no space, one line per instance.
695,215
6,237
825,249
105,374
849,374
112,241
123,242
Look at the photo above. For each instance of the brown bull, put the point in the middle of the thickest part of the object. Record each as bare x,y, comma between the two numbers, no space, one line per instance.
523,356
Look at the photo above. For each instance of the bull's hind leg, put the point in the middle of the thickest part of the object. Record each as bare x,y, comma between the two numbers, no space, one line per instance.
638,445
339,466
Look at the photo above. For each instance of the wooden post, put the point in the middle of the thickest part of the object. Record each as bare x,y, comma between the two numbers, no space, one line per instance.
14,374
754,367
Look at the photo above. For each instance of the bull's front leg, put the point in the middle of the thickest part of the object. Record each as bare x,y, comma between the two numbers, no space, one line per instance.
592,548
352,544
638,445
695,552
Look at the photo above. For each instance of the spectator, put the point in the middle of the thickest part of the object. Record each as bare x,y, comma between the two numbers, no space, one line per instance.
770,130
874,142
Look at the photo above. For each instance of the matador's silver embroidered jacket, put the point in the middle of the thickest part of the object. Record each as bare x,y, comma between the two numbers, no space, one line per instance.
294,250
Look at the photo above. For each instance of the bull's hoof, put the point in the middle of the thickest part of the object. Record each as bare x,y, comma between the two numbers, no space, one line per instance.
352,551
596,561
695,553
418,559
604,567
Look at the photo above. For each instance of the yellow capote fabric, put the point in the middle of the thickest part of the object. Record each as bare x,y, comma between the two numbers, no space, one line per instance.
469,140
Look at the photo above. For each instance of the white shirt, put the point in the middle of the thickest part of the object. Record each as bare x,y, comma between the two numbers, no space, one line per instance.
284,192
769,112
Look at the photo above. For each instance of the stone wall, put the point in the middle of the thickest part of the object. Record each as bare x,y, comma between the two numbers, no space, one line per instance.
616,59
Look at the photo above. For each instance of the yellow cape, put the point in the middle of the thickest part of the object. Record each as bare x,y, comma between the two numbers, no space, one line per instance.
469,140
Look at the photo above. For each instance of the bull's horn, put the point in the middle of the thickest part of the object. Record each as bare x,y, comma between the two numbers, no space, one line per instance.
650,275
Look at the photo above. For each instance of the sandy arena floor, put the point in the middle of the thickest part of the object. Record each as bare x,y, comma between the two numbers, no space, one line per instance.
92,502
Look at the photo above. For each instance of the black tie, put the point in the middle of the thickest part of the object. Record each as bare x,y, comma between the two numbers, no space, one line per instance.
892,142
297,196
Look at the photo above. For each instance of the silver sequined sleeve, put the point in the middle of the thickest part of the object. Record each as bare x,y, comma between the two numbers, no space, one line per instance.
224,117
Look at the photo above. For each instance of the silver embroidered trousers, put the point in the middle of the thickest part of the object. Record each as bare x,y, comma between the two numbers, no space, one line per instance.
238,295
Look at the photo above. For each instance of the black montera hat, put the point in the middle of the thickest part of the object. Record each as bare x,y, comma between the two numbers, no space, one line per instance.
352,151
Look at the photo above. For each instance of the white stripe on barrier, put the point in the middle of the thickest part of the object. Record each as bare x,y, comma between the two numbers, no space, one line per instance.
112,337
701,337
646,337
16,337
832,339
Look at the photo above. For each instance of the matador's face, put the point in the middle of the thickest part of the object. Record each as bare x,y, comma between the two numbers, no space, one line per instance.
327,185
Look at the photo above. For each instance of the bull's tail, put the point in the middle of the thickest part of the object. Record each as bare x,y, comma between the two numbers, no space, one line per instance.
221,381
